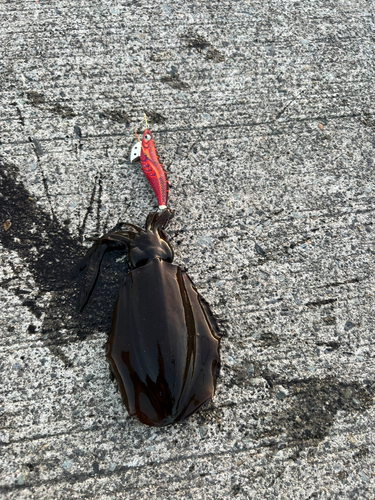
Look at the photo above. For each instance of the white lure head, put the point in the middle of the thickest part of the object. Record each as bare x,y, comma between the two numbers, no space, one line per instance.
135,153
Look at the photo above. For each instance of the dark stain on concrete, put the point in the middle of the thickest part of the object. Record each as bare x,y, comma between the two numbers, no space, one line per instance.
154,117
35,98
202,46
116,115
173,80
38,100
314,404
63,110
52,255
308,407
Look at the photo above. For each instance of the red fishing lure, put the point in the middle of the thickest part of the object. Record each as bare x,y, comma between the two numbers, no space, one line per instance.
152,168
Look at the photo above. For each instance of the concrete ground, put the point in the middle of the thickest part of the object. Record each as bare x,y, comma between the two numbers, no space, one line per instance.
264,118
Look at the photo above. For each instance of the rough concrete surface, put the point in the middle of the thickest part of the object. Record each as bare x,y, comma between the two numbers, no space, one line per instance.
263,115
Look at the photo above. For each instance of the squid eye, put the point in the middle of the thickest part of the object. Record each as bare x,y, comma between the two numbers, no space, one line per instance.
147,137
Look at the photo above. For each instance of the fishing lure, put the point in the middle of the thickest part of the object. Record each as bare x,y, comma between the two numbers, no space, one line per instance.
163,347
152,168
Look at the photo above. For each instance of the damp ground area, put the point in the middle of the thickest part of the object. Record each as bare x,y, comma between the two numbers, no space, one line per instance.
263,117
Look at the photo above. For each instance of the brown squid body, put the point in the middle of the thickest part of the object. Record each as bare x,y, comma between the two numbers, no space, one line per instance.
164,343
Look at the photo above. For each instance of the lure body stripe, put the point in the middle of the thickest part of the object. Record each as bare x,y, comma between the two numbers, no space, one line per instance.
153,169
